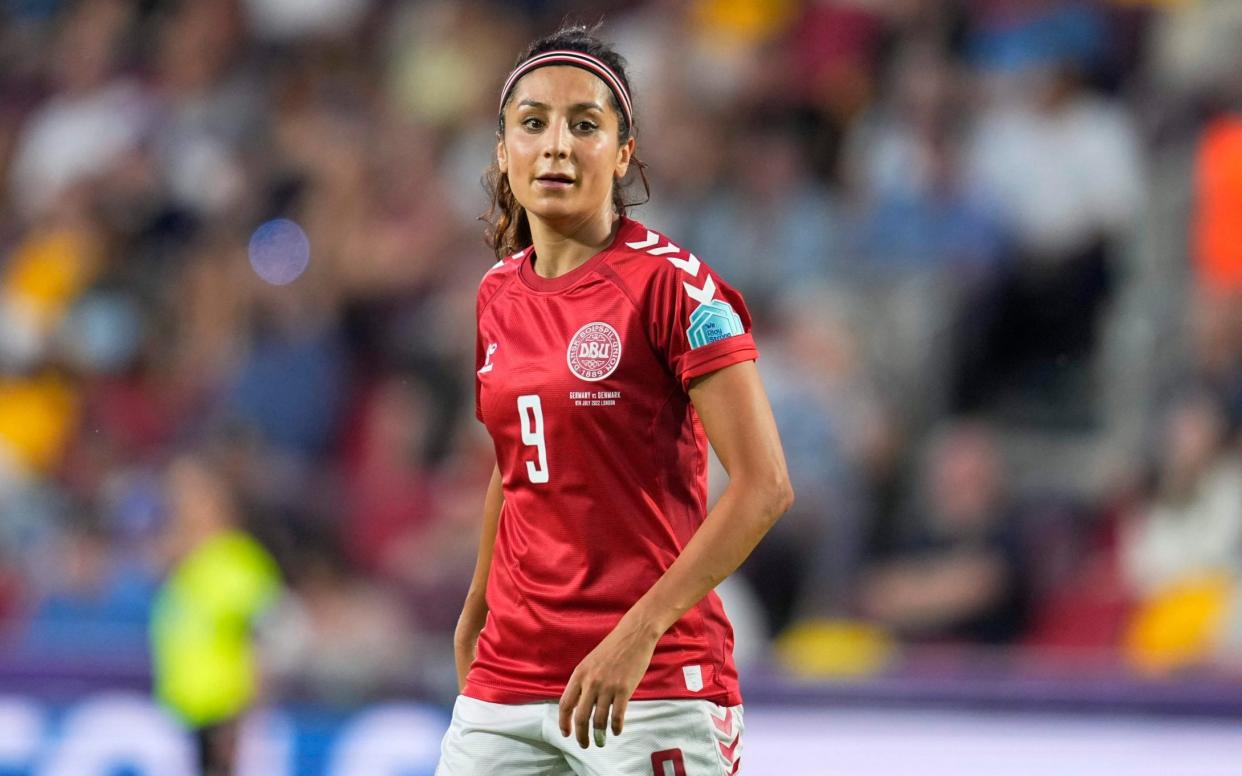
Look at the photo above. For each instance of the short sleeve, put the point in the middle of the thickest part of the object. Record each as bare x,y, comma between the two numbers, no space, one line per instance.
699,323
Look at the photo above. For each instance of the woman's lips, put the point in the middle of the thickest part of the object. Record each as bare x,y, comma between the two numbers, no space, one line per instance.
554,183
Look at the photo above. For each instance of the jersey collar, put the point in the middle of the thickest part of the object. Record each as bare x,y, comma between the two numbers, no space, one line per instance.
539,283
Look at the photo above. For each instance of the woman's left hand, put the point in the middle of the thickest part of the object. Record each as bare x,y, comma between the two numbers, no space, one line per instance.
606,678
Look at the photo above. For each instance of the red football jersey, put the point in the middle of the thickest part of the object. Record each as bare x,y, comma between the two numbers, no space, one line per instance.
582,382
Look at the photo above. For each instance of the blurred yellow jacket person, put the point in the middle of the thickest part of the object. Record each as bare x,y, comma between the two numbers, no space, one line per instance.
206,668
204,660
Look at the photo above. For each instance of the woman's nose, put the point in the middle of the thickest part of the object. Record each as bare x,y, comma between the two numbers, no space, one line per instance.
559,140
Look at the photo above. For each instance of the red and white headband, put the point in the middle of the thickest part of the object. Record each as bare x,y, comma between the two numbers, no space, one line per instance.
574,59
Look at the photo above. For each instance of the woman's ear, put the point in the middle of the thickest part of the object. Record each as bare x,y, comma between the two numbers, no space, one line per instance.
625,152
502,156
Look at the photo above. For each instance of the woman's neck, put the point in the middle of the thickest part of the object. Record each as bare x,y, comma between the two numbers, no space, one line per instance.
560,249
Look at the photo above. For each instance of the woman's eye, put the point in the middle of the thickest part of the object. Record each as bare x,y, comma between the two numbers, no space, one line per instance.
532,123
586,126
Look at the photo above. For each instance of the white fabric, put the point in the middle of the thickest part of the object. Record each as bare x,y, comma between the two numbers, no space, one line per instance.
525,740
72,138
1062,177
1175,543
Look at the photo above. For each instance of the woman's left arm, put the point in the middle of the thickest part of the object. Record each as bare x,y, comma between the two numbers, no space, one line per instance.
738,420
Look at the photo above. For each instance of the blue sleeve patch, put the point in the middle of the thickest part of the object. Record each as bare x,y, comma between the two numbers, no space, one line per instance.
713,321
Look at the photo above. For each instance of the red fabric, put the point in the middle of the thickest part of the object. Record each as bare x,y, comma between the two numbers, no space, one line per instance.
626,470
668,757
1088,609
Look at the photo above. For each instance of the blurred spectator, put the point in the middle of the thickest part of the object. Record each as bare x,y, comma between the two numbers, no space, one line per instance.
339,638
1015,35
1192,525
931,247
202,629
290,388
285,20
775,229
1193,49
1065,168
447,58
959,575
43,275
1218,232
93,117
97,605
291,381
432,566
1182,551
36,419
833,53
1217,260
688,166
834,431
390,499
727,42
208,109
922,212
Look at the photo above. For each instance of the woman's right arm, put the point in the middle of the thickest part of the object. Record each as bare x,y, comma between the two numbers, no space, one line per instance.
474,611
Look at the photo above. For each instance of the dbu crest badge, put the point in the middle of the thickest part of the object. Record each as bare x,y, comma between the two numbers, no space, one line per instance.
712,321
594,351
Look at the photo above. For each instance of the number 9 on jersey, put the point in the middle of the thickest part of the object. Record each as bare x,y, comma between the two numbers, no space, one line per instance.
531,411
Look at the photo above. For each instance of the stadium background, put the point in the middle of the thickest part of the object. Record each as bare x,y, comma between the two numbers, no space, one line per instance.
994,253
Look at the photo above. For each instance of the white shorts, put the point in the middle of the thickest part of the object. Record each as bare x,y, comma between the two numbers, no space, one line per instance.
660,738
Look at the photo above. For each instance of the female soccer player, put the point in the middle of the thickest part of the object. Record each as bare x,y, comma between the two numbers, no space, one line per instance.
604,353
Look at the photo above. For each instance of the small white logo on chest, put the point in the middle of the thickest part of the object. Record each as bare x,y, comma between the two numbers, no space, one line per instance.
594,351
487,362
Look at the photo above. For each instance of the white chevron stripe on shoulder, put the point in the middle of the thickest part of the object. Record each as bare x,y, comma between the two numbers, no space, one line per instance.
651,240
690,265
702,295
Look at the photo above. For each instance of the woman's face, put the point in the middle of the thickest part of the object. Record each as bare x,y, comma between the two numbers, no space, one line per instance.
560,147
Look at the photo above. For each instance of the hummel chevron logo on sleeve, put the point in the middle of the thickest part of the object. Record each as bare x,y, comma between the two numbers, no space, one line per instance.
689,265
713,319
702,295
651,240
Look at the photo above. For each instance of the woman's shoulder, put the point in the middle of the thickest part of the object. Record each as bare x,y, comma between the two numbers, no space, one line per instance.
651,262
648,255
499,274
508,265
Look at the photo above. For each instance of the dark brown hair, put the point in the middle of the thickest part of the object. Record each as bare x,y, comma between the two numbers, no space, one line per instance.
508,230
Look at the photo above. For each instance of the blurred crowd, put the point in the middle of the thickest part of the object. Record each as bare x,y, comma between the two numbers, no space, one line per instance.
993,249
